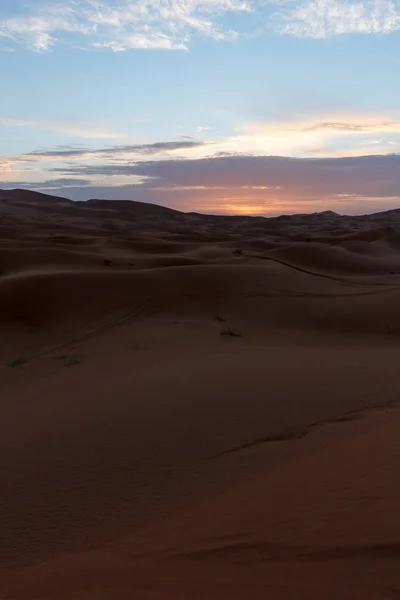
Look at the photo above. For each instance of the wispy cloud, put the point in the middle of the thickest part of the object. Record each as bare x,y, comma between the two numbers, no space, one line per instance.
120,24
156,148
81,130
326,18
62,182
4,164
339,134
9,170
350,126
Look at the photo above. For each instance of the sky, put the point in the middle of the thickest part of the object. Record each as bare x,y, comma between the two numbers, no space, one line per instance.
222,106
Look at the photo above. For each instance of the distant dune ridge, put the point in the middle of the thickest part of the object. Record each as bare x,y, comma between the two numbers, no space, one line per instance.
197,406
127,210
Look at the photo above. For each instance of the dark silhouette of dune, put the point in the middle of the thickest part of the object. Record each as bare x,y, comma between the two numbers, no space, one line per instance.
340,227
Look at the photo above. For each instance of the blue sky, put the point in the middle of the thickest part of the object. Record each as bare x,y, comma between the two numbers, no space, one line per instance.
179,101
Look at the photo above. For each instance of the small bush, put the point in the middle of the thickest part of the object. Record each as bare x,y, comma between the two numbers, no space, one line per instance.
18,362
230,332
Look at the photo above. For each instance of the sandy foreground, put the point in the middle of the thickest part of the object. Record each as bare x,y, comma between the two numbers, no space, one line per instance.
197,407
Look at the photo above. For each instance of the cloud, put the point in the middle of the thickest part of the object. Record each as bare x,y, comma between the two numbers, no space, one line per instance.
354,127
8,171
4,164
62,182
135,149
332,134
376,176
119,24
82,130
326,18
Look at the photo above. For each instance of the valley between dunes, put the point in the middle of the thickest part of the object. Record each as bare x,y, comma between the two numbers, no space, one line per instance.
197,407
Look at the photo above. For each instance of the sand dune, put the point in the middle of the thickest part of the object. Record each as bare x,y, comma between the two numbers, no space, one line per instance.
195,406
337,259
